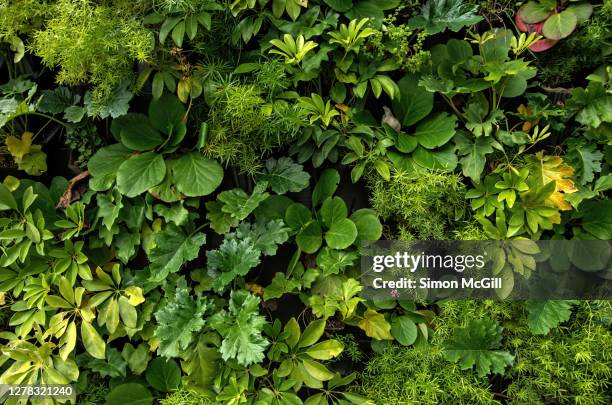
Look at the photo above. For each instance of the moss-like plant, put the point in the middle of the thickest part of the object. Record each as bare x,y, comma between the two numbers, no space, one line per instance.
421,375
424,206
92,44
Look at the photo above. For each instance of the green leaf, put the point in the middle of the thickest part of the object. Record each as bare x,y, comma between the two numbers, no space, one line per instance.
239,204
241,329
179,317
107,160
332,210
283,175
340,5
7,201
545,315
309,239
473,154
406,143
266,236
136,132
166,115
196,176
140,173
331,261
436,130
560,25
326,186
415,102
368,226
312,333
341,234
129,394
92,341
443,159
534,12
404,330
232,259
113,366
585,159
163,374
438,15
478,344
297,215
173,248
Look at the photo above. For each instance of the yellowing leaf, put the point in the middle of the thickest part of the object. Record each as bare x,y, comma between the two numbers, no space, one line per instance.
19,147
551,168
375,325
135,295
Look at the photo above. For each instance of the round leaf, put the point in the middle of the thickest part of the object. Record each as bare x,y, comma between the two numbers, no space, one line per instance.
136,132
341,234
560,25
195,175
163,374
332,210
404,330
140,173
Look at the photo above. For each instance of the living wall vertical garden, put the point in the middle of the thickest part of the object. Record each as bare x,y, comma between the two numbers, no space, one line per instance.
186,186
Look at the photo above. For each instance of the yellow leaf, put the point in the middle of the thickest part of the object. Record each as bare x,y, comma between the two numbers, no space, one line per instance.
551,168
19,147
375,325
135,295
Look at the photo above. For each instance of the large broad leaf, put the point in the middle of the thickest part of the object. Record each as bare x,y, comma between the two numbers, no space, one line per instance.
195,175
140,173
436,130
545,315
129,394
533,12
597,218
478,345
309,239
283,175
107,160
443,159
341,234
560,25
438,15
179,317
368,226
340,5
172,249
332,210
414,103
164,374
135,132
167,114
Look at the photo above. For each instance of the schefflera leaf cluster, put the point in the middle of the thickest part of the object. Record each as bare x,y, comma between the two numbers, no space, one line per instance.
142,159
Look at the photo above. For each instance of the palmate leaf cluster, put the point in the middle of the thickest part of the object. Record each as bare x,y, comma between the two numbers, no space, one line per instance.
190,187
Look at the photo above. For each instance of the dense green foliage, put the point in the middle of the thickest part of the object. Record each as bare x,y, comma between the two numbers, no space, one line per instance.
187,186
